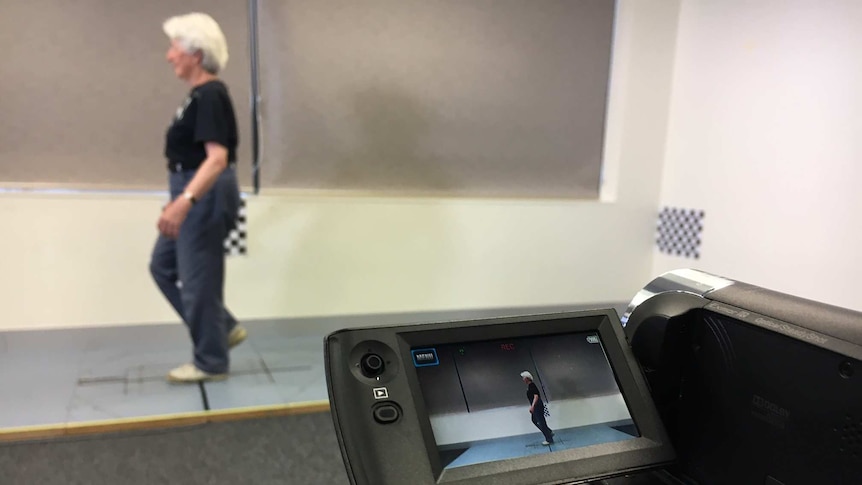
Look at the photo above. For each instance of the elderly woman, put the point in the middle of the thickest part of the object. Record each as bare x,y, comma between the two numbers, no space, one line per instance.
200,147
537,408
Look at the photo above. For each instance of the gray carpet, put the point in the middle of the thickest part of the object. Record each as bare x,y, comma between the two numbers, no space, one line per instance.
299,449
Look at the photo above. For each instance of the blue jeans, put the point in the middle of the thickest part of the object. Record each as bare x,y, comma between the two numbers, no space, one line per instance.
538,417
196,260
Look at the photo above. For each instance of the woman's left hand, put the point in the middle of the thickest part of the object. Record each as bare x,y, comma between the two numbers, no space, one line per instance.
173,216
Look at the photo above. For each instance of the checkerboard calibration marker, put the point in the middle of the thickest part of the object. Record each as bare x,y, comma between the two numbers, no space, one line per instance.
679,232
236,243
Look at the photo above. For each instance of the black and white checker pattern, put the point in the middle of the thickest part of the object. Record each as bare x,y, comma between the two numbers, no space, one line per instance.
235,243
679,232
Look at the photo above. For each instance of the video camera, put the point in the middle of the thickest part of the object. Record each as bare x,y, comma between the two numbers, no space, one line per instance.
704,380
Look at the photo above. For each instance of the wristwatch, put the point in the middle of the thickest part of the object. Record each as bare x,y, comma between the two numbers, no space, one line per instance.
190,196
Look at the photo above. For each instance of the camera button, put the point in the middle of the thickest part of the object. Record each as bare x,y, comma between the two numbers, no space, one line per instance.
386,413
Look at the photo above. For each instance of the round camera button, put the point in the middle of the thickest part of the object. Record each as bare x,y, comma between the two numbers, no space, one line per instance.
386,413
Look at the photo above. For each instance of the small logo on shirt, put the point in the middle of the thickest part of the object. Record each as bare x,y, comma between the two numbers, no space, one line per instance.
181,110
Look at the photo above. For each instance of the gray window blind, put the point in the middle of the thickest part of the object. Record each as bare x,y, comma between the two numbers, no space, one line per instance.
452,97
86,93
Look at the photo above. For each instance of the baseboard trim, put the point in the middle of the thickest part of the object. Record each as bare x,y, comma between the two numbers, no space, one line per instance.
29,433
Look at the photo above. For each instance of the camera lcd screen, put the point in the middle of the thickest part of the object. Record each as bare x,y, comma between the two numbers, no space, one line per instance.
520,397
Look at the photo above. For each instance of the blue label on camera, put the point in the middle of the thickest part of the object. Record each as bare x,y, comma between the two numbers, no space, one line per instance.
425,357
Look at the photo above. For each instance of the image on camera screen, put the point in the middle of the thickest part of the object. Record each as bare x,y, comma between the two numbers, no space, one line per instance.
503,399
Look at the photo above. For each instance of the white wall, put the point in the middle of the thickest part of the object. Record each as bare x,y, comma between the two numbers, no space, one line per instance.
764,136
81,260
516,420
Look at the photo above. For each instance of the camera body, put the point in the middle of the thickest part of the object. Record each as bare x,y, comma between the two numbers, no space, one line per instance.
753,385
704,380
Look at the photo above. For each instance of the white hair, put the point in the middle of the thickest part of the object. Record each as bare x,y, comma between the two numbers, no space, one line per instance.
199,32
527,375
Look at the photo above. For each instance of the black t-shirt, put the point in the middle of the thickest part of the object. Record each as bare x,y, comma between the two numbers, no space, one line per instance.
532,390
205,115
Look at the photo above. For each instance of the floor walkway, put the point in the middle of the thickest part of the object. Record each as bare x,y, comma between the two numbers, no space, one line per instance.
56,379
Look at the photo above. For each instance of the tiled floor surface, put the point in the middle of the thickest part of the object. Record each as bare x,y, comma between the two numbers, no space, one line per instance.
68,376
56,377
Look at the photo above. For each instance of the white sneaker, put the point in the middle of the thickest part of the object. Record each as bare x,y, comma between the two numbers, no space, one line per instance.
236,336
546,443
190,373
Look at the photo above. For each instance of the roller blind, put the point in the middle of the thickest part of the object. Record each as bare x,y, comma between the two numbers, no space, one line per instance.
86,93
451,97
